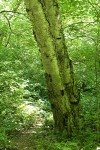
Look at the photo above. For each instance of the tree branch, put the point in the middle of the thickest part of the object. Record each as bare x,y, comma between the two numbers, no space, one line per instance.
14,12
8,22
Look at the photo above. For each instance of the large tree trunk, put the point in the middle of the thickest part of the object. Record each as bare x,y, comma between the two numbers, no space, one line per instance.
47,29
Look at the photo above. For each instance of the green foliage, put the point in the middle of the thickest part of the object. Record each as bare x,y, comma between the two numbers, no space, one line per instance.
53,141
23,93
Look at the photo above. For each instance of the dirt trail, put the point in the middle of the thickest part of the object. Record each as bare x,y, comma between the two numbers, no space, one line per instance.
24,141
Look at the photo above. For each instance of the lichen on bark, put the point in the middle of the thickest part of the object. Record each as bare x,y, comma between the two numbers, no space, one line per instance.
64,98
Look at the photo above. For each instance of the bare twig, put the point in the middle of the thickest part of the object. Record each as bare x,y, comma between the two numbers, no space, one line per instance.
14,12
8,22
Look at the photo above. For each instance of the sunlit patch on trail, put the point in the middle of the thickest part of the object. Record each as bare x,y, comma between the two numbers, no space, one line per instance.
28,108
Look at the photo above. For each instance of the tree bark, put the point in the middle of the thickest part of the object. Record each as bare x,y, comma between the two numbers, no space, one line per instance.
63,93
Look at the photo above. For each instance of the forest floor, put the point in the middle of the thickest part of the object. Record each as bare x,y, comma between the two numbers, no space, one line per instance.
41,138
30,139
35,138
24,140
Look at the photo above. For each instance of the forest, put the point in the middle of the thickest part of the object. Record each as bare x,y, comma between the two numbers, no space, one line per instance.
49,75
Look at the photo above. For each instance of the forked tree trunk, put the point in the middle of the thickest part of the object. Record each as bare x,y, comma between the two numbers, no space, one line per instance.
47,29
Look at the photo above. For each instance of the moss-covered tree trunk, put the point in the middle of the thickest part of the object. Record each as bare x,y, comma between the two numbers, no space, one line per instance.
47,29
